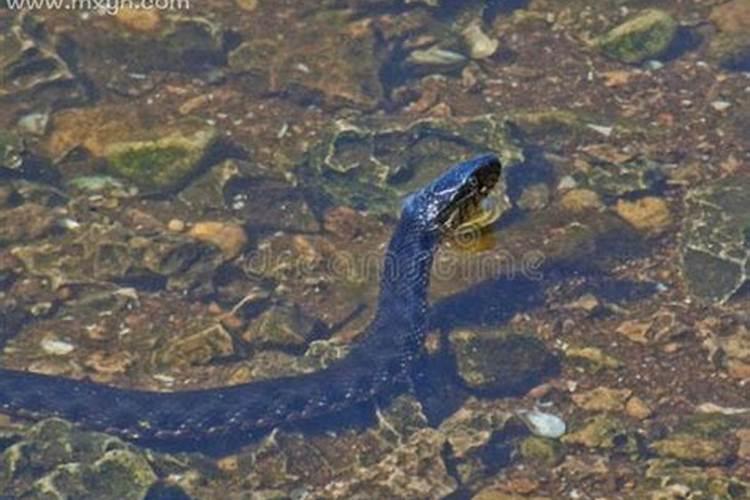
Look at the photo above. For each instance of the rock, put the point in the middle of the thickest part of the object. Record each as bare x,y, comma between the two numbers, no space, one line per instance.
685,481
201,344
714,246
31,64
730,47
281,325
98,184
11,149
601,431
480,45
154,41
543,424
176,225
580,200
228,237
413,470
690,449
57,347
435,60
310,64
542,451
499,361
34,123
370,164
635,330
256,191
743,436
650,215
645,36
156,158
38,223
471,427
534,197
160,159
55,460
593,356
602,399
145,20
637,408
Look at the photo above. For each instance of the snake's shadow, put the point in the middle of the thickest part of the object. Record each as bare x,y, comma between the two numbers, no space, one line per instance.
487,305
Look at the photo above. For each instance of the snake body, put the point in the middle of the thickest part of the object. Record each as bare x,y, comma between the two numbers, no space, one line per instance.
381,360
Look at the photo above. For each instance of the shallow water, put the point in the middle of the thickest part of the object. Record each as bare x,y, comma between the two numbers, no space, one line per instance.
199,196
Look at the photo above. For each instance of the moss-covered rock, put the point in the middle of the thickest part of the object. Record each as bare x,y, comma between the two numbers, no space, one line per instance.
601,431
539,450
645,36
691,449
164,162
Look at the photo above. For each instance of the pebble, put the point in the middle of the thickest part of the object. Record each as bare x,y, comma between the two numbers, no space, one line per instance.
637,408
580,200
176,225
228,237
34,123
543,424
721,105
480,45
57,347
649,214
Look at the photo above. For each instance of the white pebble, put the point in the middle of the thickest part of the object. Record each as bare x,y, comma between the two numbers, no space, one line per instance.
57,347
543,424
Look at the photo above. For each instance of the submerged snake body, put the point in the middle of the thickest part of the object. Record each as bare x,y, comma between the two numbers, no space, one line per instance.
380,361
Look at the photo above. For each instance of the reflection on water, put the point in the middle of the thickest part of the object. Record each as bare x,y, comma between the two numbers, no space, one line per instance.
201,197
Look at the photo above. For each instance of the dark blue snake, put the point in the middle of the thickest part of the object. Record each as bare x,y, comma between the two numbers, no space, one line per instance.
378,362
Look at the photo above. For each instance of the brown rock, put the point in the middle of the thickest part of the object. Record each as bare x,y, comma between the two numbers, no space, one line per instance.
743,435
228,237
650,214
637,331
637,408
693,450
580,200
602,399
732,17
26,222
139,19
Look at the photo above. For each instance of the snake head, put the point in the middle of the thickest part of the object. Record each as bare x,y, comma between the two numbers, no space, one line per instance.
455,196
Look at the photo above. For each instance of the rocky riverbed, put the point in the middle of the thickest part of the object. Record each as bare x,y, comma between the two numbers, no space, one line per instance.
200,197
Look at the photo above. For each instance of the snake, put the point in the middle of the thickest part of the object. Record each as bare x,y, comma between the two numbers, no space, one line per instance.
379,359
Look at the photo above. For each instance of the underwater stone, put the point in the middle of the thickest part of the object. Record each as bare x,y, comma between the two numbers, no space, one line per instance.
11,147
691,449
499,361
731,46
546,452
716,238
280,325
601,431
645,36
370,164
202,343
312,65
543,424
163,163
31,64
